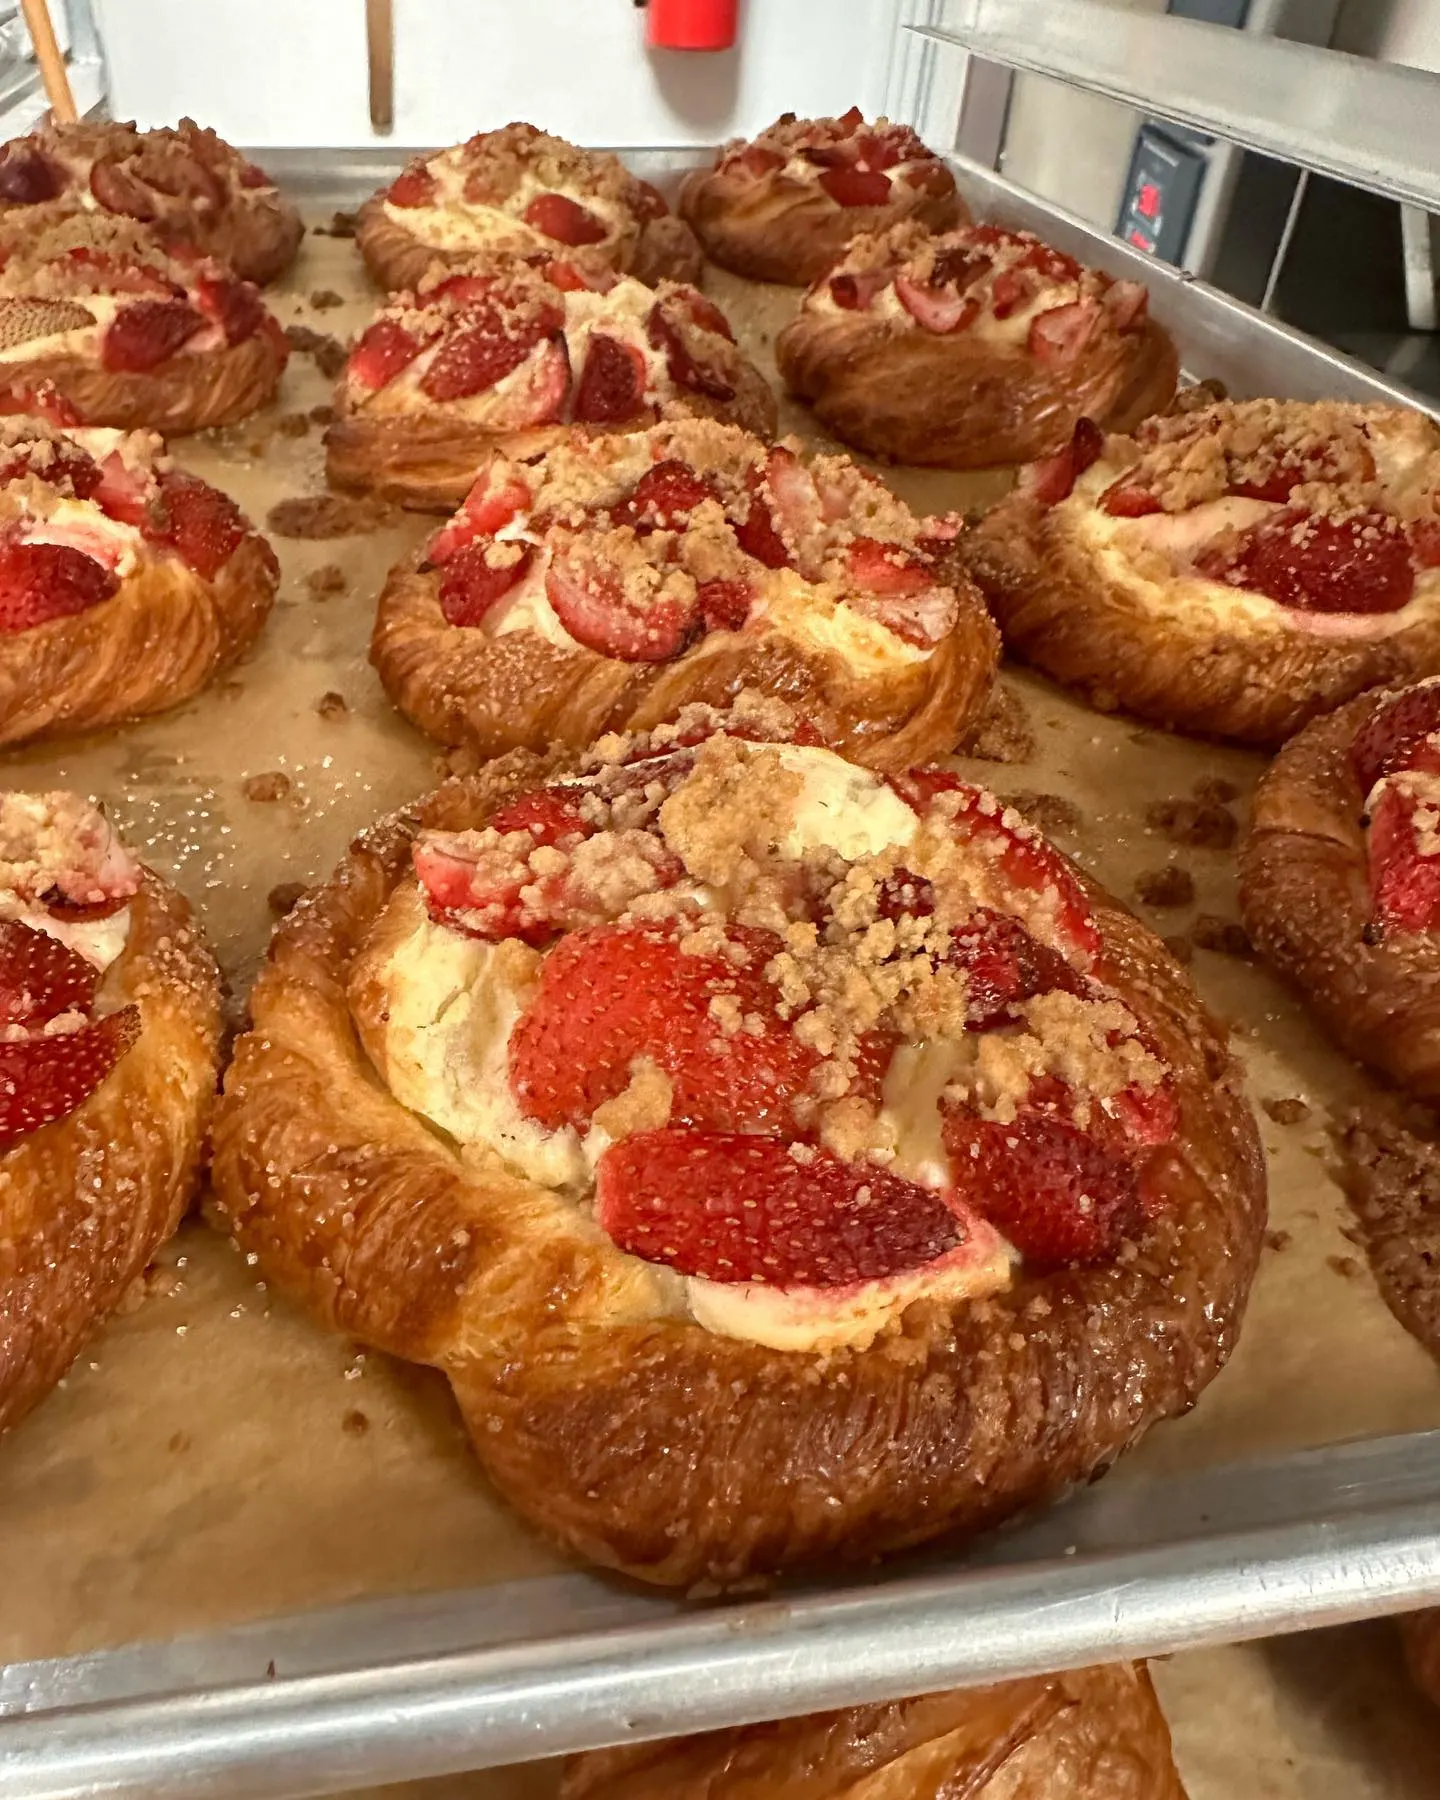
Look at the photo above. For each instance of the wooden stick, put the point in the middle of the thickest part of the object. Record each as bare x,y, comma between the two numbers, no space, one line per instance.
380,42
50,59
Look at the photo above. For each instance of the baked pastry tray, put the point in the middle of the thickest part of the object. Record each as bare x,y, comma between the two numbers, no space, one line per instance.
240,1556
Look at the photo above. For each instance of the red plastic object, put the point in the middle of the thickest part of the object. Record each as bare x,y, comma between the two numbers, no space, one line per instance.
691,24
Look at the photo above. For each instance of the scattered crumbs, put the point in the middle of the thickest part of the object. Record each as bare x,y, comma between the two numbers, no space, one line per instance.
1053,813
1279,1240
1198,395
1003,734
324,298
1343,1265
328,579
179,1441
332,705
1287,1110
1214,790
284,897
355,1423
270,1669
1167,887
329,353
293,425
272,785
327,516
1180,948
323,415
1199,824
1224,936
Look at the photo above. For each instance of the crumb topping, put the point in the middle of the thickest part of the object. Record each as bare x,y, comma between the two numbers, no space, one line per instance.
57,846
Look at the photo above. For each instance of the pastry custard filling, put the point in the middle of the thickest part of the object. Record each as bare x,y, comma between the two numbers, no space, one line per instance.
1325,516
854,162
66,882
143,175
1396,760
980,282
509,346
519,189
79,510
816,1043
637,546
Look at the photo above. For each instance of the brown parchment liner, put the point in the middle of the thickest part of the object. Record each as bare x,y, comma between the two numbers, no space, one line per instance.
213,1457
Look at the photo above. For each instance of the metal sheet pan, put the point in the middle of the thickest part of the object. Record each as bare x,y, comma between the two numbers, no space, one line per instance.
1252,1517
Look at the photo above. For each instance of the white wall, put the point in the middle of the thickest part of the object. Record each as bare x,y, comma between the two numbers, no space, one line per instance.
294,71
1404,31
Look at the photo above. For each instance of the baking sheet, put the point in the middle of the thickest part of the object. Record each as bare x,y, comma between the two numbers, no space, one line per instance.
214,1458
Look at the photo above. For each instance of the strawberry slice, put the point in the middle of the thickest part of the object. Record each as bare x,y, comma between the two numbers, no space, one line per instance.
558,216
855,186
414,186
733,1207
664,497
1127,303
900,592
1060,334
471,360
1404,885
1010,290
235,306
477,884
27,176
147,333
41,582
119,191
1126,500
253,176
686,370
123,493
40,977
939,309
885,568
470,585
615,993
1053,478
794,498
44,1078
593,604
498,496
756,533
612,382
1359,564
538,392
43,399
1059,1194
577,278
203,526
850,120
854,292
700,311
385,349
1395,736
724,605
552,815
757,161
70,467
1004,965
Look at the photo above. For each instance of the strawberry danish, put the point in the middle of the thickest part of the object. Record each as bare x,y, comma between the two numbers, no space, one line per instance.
125,583
498,355
784,205
109,1045
130,334
186,186
978,347
617,578
521,191
1233,570
783,1163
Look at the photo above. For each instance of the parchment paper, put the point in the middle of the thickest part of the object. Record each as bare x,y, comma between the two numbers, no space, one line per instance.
214,1458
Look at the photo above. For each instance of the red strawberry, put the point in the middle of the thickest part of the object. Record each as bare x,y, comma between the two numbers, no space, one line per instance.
118,191
464,290
578,278
253,176
724,605
938,309
886,568
1053,478
70,467
549,814
486,889
593,604
470,585
88,270
1404,884
203,526
614,993
498,496
1010,290
44,1078
235,306
1004,965
850,120
39,977
559,217
385,349
147,333
43,399
1127,303
27,176
854,292
1394,736
414,186
756,533
757,161
734,1207
856,187
702,312
612,382
1125,500
685,370
1061,333
40,582
1359,564
664,497
471,360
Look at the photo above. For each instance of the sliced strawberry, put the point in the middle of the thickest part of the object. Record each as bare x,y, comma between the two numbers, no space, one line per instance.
1404,885
851,120
612,382
253,176
385,349
235,306
476,884
615,993
577,278
757,161
465,290
1058,1193
40,978
756,533
471,360
1053,264
1127,303
664,497
1010,290
1053,478
856,187
700,311
886,568
854,292
69,466
44,1078
203,526
938,309
414,186
147,333
538,392
650,203
43,399
591,602
119,191
90,269
27,175
558,216
498,496
470,585
552,815
1359,564
686,371
40,582
733,1207
1395,734
1004,965
1126,500
795,502
724,605
878,152
1060,334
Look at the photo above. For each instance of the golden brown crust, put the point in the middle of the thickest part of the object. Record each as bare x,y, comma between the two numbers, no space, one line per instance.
1181,667
780,229
463,686
85,1202
643,1442
1421,1635
160,638
960,402
1305,898
1091,1734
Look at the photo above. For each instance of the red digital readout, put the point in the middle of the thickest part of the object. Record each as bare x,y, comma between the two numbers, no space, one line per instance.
1148,202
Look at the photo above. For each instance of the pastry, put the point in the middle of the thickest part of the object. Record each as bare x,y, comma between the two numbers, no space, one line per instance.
111,1011
187,186
1233,570
1091,1734
131,334
1340,878
978,347
617,578
784,1164
1421,1632
521,190
783,206
125,583
496,355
